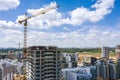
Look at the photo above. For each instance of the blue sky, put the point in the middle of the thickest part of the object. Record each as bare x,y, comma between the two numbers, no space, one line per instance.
76,23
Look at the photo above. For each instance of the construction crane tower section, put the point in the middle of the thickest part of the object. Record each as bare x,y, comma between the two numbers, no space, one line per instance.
24,22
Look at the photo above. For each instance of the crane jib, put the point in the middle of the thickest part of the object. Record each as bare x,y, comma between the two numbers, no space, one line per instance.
24,22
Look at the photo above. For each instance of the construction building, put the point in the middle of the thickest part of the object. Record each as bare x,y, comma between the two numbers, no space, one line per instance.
43,63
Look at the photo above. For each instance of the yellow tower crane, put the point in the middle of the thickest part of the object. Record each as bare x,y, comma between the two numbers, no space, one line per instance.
24,22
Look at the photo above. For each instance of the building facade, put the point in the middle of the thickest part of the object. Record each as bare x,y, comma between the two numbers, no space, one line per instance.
69,60
43,63
79,73
105,52
117,50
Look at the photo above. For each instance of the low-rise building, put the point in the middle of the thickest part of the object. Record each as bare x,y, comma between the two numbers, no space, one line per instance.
69,60
79,73
8,68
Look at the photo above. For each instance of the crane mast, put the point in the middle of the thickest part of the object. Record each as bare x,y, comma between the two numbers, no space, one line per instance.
24,22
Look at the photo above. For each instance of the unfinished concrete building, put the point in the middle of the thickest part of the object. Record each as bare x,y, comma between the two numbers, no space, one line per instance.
44,63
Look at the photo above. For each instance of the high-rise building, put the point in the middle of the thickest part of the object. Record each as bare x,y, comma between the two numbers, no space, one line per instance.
106,70
43,63
105,52
117,52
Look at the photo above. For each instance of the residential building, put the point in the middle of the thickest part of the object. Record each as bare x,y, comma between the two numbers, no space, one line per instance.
8,68
105,52
69,60
117,52
43,63
79,73
106,70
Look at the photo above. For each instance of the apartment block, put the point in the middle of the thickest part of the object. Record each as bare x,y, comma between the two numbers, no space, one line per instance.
105,52
43,63
69,60
117,50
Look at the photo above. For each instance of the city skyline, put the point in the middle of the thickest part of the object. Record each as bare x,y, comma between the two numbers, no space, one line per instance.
76,23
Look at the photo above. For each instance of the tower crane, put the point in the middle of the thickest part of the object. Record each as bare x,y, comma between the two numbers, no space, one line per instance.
25,20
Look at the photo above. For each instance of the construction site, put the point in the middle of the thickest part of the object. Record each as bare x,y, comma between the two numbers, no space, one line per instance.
39,62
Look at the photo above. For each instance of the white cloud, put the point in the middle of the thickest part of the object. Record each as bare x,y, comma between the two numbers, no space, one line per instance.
77,16
91,38
81,14
8,25
10,34
105,32
44,21
8,4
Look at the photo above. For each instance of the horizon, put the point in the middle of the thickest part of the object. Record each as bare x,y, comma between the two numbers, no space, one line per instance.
60,47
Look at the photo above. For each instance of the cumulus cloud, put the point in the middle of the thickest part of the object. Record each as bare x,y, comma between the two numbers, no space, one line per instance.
91,38
8,4
8,25
77,16
44,21
10,34
82,14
